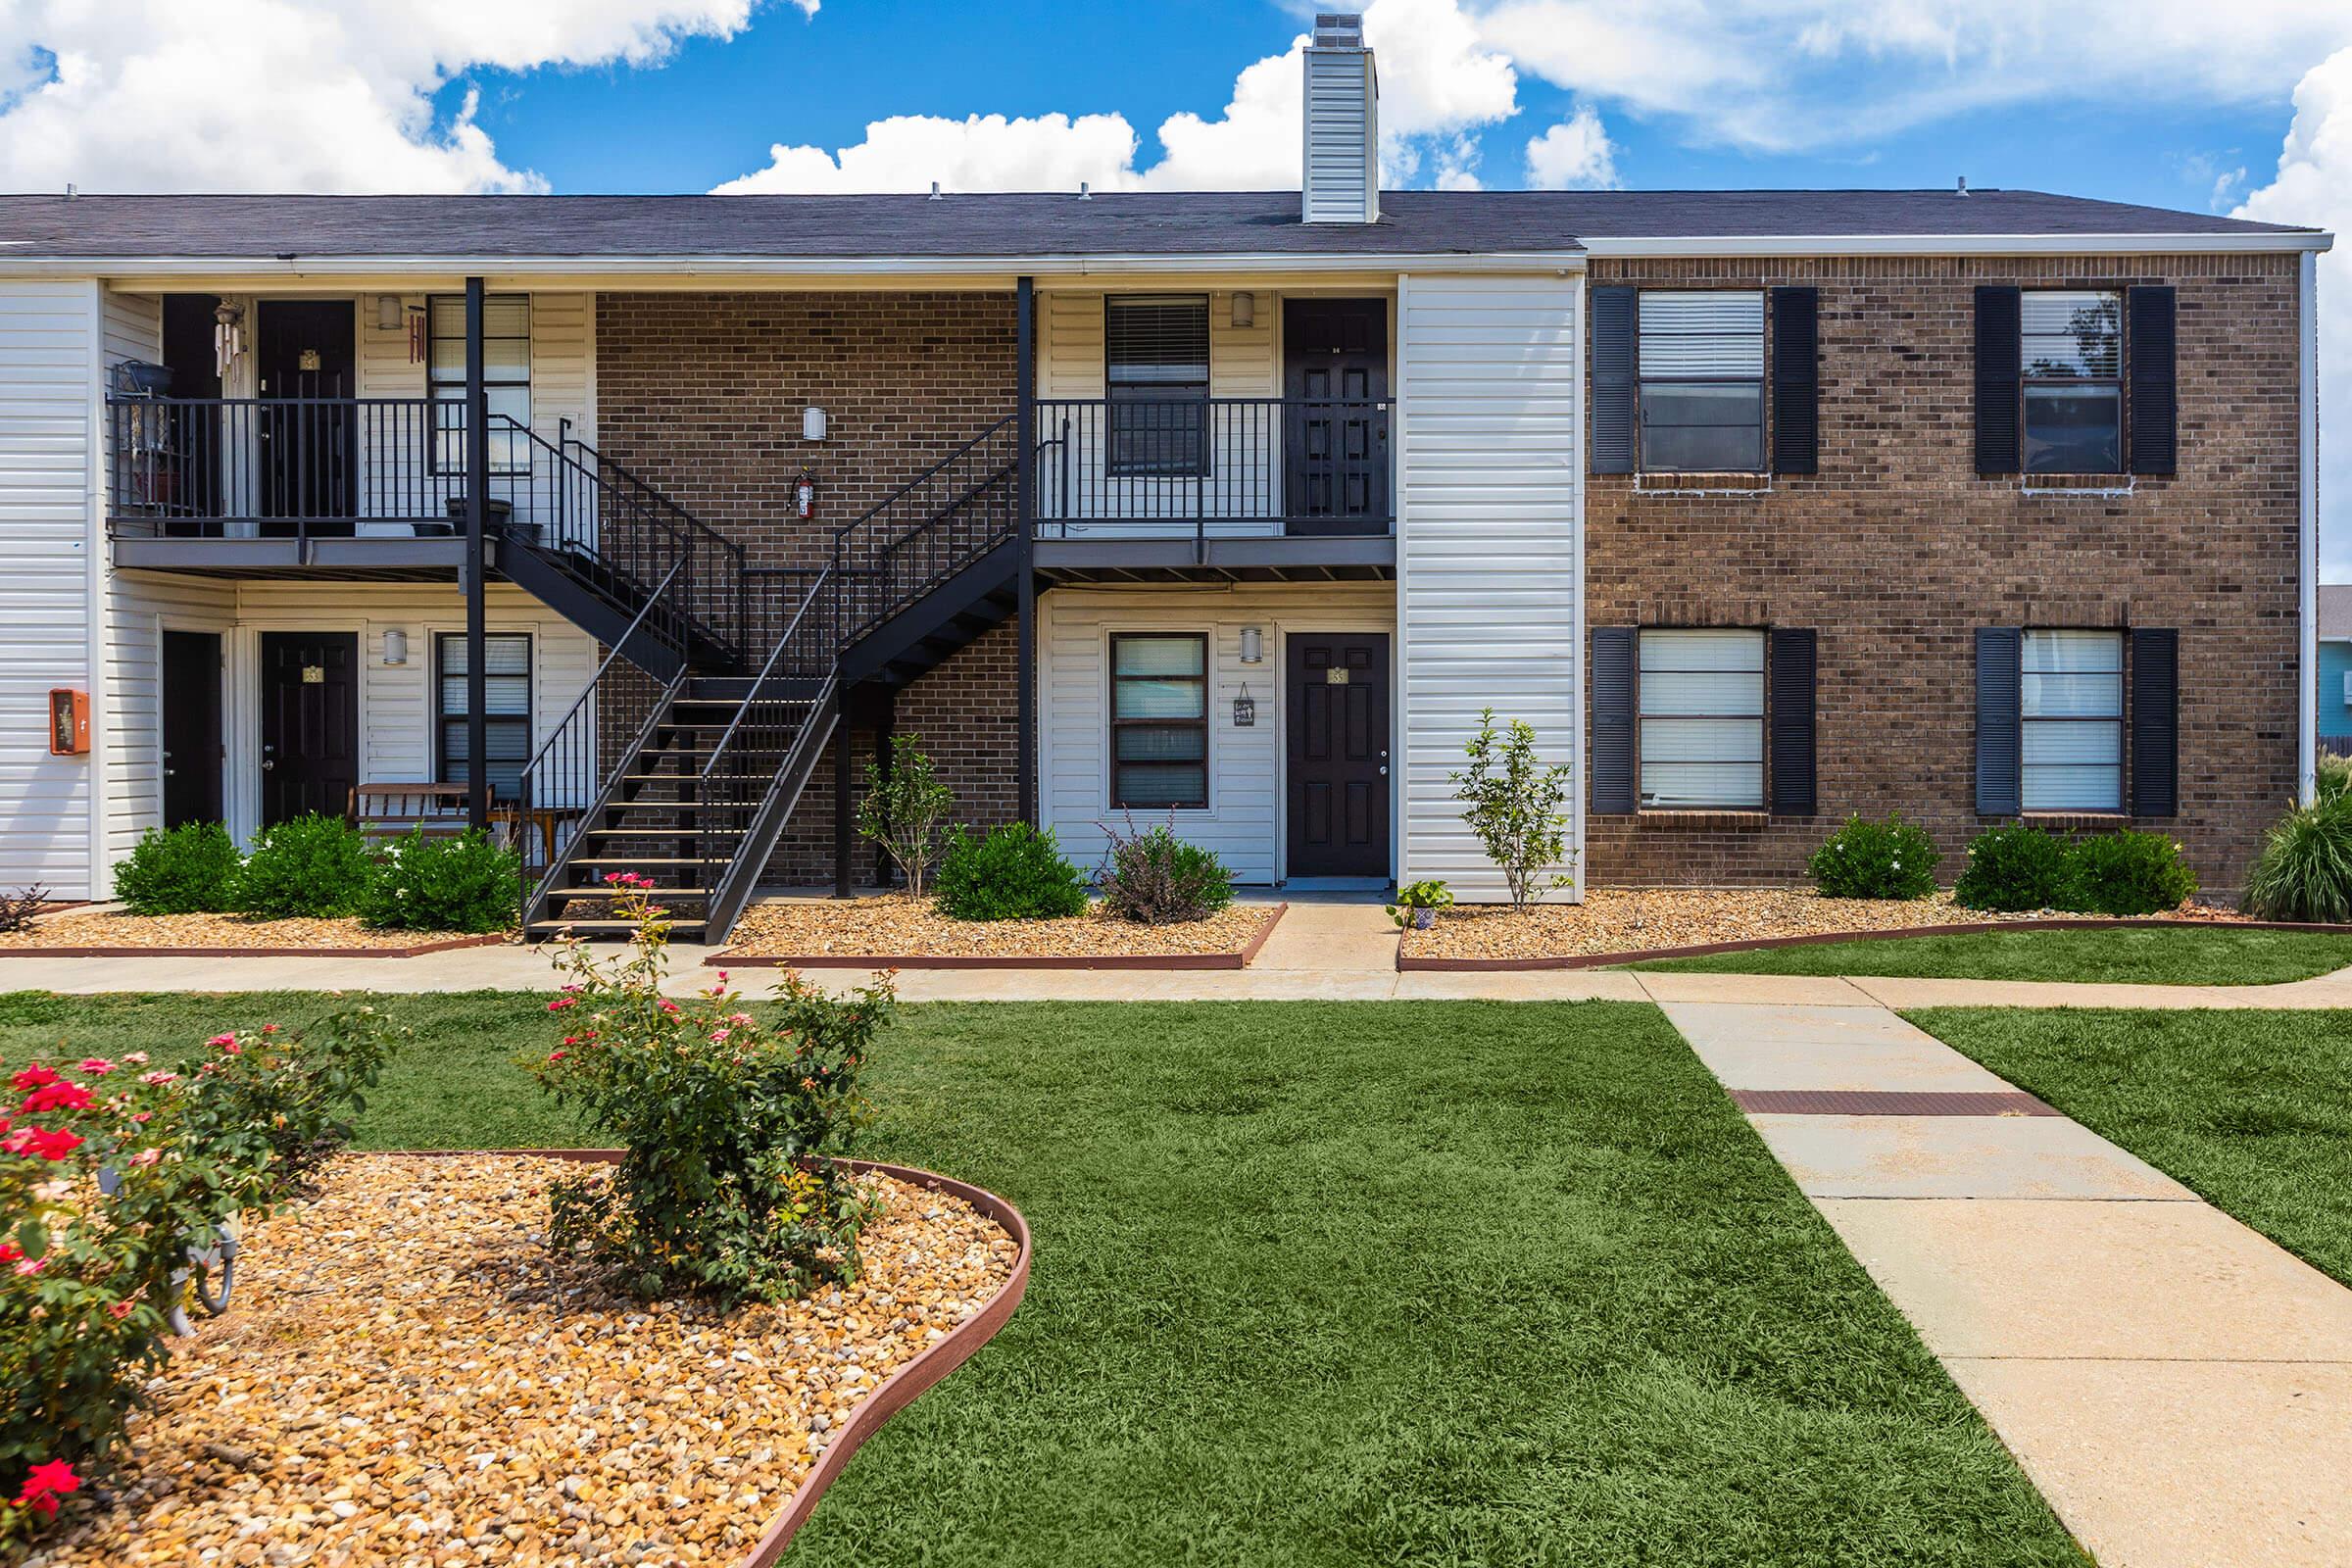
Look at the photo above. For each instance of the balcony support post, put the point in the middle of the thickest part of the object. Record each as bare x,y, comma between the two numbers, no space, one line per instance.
477,489
1024,424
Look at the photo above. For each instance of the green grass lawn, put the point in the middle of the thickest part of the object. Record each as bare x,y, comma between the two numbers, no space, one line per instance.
2252,1110
1427,1283
2162,956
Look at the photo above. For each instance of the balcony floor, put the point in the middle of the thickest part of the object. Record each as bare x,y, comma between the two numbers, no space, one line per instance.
381,558
1276,558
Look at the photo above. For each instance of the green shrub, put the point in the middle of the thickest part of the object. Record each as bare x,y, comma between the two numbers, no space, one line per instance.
311,865
2335,775
2127,874
1159,879
1517,807
2304,871
464,882
1889,859
1013,873
190,871
2014,867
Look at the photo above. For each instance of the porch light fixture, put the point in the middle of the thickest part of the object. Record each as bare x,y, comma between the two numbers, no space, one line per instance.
812,424
388,314
1244,308
396,646
1253,646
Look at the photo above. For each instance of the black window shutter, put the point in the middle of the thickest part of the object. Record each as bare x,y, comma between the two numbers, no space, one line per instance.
1616,348
1795,380
2149,354
1791,694
2155,723
1614,649
1999,351
2000,738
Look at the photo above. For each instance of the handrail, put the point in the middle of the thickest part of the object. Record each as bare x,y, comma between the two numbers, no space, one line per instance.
918,481
783,641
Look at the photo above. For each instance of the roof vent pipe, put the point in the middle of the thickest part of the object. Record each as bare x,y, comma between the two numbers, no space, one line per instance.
1085,192
1963,184
1342,155
934,195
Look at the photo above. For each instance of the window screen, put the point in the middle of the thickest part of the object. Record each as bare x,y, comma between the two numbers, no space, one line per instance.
1702,719
507,701
2072,360
1159,721
1156,370
506,378
1702,380
2071,704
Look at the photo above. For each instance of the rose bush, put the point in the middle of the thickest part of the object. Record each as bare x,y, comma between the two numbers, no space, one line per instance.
730,1126
87,1280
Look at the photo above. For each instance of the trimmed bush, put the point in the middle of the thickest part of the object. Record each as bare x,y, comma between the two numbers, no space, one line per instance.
2335,776
460,882
190,871
1013,873
1889,859
2127,874
2015,867
2304,871
312,865
1159,879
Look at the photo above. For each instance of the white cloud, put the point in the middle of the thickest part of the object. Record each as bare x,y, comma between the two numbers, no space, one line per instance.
1436,83
2314,186
294,95
1574,155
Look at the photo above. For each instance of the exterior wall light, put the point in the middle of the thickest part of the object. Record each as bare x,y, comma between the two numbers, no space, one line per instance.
812,424
1253,646
1244,308
388,314
396,646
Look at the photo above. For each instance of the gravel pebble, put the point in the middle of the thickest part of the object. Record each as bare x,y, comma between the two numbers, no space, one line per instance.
894,925
406,1377
119,928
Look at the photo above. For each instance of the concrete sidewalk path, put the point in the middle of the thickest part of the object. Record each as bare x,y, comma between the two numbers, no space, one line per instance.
2178,1387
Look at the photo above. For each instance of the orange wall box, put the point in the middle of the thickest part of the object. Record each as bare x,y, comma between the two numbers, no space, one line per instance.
68,721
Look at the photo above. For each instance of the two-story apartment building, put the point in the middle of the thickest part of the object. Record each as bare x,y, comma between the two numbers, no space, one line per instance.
657,515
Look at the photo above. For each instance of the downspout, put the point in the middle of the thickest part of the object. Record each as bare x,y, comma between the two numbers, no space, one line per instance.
478,486
1024,436
2306,660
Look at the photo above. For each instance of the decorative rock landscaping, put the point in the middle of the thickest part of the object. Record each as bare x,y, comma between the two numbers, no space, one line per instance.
1627,921
109,930
894,926
408,1378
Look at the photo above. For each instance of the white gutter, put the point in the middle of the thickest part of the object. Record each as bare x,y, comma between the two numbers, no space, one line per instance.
1705,245
2306,662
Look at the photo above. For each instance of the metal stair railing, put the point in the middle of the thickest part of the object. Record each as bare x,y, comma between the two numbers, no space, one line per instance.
928,529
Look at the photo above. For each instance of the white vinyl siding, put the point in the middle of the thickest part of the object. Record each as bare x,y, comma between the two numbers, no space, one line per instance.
1341,172
2071,705
1701,741
1487,555
140,607
49,369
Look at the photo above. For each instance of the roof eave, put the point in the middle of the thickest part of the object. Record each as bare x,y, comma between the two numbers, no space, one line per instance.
2231,242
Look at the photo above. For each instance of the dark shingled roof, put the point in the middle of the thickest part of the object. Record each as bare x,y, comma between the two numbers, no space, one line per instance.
1194,224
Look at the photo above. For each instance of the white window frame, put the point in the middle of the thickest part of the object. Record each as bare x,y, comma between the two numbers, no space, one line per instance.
1677,722
2075,724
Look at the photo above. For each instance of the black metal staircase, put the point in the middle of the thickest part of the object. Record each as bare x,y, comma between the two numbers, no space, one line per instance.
737,677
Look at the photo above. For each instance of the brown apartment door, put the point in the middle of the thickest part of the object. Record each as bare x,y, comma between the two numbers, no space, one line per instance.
310,458
1334,357
309,722
192,754
1337,755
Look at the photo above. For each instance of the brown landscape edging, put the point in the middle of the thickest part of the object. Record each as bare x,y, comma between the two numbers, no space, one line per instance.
419,951
1595,960
902,1388
1239,959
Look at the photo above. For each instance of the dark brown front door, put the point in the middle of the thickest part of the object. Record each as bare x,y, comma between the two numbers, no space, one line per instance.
308,467
192,754
309,722
1335,357
1337,767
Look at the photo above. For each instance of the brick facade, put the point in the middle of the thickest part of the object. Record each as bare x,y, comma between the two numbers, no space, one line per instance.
701,394
1895,551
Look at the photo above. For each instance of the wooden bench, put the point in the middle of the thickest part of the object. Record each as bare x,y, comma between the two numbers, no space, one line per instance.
394,810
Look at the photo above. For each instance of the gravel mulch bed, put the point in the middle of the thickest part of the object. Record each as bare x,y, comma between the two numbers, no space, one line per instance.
119,928
1638,919
895,925
408,1377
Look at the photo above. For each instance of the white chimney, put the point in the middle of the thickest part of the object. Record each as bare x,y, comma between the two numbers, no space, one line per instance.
1341,184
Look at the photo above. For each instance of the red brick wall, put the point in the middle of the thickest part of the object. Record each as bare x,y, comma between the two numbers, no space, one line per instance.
1896,552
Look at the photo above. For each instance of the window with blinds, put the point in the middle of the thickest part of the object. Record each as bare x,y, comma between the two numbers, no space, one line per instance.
2071,707
1156,348
2073,376
1701,738
506,702
1701,369
1159,721
506,378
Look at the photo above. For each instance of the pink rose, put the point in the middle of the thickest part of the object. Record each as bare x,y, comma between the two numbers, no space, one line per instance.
97,1067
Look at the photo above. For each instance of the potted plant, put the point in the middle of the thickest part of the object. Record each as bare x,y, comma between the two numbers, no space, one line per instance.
1417,905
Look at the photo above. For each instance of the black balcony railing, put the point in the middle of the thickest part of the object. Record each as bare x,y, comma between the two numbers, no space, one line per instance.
1167,466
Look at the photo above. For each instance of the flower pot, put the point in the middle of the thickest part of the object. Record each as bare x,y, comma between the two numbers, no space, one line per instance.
1424,918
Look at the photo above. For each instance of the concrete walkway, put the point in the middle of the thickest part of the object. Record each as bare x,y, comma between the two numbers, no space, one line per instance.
2178,1387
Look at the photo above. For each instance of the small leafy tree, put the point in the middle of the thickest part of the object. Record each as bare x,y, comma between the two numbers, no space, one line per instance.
1515,805
903,808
